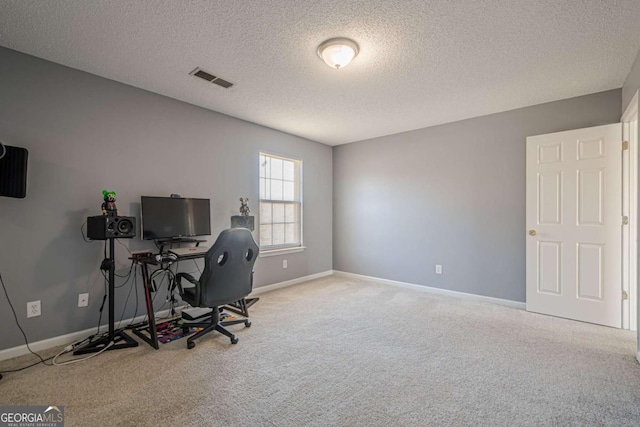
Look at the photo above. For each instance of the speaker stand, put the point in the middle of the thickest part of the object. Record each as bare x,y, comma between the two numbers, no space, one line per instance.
119,338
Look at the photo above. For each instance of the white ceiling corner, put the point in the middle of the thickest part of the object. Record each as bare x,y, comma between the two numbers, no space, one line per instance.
420,63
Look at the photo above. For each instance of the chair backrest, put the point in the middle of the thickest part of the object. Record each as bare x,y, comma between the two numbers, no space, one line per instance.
228,268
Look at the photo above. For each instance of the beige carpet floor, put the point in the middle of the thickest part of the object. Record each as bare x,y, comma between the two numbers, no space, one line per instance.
344,352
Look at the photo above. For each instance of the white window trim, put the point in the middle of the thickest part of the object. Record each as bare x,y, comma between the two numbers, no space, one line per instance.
279,250
284,251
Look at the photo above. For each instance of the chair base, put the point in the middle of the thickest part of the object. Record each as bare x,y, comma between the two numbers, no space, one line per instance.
215,325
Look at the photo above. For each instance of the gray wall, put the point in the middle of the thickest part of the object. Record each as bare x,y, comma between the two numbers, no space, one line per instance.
452,194
631,84
85,133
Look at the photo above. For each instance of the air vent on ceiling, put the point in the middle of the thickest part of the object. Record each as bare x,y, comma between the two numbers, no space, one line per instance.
211,78
220,82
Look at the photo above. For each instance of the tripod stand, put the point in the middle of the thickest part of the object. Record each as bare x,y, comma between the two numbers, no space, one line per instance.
118,338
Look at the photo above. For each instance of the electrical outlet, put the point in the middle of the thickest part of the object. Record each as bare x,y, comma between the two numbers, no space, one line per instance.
83,300
438,269
284,263
33,309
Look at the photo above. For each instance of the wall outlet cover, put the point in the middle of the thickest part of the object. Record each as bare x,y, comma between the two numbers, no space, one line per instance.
83,300
33,309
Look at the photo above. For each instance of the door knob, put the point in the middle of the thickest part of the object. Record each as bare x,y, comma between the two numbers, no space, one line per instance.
532,232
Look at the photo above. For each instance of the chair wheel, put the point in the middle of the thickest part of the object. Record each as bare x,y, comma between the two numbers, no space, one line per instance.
247,323
234,340
190,344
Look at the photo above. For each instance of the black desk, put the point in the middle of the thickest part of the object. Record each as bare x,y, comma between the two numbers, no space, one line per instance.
147,332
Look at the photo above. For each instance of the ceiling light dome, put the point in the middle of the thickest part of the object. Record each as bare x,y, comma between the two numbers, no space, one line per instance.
338,52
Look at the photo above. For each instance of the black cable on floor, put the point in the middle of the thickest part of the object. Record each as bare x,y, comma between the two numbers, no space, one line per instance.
28,366
26,341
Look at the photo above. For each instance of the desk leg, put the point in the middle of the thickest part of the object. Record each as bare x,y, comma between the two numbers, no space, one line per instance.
152,339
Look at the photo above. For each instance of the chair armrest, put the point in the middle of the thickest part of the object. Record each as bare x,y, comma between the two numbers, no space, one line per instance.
189,278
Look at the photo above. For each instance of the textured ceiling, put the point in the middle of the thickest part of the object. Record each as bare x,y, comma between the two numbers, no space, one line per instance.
421,63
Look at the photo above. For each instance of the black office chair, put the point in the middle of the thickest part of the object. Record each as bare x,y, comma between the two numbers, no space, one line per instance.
227,277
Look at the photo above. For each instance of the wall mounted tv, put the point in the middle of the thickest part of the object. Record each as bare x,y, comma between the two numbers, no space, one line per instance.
174,217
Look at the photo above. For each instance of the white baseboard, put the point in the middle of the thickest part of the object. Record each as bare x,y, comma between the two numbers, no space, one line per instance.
273,287
499,301
66,339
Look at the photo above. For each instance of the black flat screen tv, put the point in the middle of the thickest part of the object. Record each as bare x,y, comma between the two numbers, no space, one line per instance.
174,217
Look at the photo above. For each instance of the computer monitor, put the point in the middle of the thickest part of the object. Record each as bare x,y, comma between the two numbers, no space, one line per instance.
174,217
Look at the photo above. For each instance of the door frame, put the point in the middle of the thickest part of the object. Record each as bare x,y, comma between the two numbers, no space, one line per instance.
628,210
629,121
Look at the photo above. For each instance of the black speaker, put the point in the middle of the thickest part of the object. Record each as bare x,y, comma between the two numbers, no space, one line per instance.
13,171
243,221
102,227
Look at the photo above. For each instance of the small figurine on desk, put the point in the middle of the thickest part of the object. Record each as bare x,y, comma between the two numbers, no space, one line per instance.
244,208
244,220
109,205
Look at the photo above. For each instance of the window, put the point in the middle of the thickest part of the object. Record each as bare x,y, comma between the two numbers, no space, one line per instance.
280,202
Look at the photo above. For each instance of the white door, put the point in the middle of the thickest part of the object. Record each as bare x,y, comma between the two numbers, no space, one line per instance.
574,219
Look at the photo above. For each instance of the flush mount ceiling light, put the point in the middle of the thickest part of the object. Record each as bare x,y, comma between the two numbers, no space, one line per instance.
338,52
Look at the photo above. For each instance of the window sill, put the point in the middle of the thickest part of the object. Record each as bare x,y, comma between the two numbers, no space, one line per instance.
284,251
